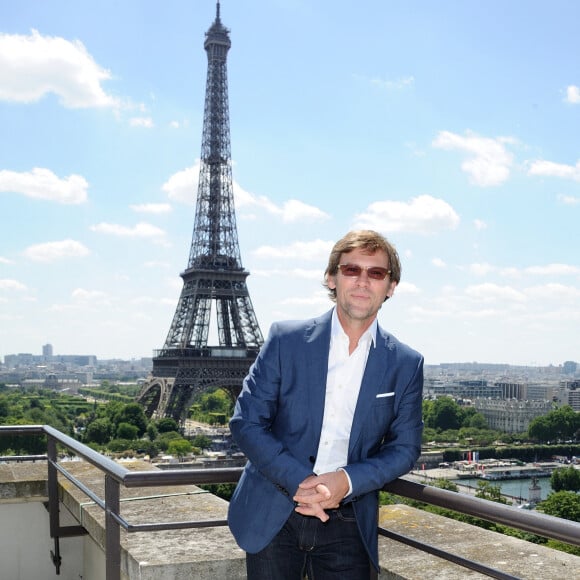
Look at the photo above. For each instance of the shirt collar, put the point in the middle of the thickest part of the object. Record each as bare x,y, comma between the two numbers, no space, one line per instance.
336,330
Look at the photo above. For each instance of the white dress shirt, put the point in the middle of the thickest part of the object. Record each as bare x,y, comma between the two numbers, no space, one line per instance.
345,373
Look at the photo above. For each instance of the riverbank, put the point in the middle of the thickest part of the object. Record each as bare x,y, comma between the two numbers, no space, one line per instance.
516,491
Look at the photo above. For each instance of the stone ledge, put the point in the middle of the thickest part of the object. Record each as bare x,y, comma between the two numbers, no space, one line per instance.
510,555
23,481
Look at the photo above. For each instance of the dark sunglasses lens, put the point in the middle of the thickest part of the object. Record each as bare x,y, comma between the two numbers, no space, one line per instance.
377,273
351,270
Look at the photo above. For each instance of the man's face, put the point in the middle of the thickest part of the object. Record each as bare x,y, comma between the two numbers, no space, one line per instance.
359,298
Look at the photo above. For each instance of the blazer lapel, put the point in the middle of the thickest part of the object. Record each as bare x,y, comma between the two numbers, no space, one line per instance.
315,361
373,379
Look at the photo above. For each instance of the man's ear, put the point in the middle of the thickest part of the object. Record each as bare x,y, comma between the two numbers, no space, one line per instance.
391,290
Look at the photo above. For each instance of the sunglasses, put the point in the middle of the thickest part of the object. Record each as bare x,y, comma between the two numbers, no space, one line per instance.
354,271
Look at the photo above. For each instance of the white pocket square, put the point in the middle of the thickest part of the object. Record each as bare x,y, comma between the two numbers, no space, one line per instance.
380,395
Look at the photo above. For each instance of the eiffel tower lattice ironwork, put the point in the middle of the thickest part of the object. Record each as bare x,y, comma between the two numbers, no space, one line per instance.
187,364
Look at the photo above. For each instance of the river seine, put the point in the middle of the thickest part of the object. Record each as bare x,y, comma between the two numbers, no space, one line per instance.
517,488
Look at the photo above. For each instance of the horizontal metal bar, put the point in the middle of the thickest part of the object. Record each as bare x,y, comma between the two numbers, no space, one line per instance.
22,430
161,526
22,458
70,531
80,485
105,464
459,560
530,521
182,477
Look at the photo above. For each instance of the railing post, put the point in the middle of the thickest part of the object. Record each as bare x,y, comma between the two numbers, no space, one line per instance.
52,485
112,529
53,508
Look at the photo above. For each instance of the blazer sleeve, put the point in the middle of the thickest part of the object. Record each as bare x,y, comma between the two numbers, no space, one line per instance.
256,425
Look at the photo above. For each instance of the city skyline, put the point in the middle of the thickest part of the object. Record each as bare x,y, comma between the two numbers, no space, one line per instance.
451,128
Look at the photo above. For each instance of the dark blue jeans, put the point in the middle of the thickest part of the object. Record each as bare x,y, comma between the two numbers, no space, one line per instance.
307,547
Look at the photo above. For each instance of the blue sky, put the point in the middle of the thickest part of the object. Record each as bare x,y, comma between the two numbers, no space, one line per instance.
452,127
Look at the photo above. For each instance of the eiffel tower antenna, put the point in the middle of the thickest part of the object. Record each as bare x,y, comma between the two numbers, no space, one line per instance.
214,275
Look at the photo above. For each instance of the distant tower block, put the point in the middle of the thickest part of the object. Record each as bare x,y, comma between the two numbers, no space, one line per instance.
214,274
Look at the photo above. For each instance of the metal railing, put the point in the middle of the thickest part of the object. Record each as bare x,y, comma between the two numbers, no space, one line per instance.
116,476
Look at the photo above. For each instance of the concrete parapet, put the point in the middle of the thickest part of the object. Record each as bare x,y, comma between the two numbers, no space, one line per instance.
510,555
211,553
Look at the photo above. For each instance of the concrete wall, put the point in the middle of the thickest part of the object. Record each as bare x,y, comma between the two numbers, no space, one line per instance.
26,545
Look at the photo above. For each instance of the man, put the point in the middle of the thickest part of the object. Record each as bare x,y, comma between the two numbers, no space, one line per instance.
329,413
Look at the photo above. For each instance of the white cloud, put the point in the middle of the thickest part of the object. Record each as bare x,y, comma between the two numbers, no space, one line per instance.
5,260
489,291
145,122
297,211
44,184
423,215
552,270
291,211
551,169
393,85
573,95
511,272
183,185
552,291
140,230
407,288
52,251
293,273
6,284
33,66
153,208
479,225
314,250
156,264
488,162
480,269
94,297
569,199
438,263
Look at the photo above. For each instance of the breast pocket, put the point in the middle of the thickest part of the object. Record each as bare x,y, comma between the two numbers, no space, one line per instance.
383,412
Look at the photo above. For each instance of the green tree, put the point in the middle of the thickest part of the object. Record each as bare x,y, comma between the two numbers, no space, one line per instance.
565,479
179,447
4,409
478,421
562,504
99,431
447,484
166,424
127,431
152,431
559,424
164,439
201,441
133,414
489,491
444,414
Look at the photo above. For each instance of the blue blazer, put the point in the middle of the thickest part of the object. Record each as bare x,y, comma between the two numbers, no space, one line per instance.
278,418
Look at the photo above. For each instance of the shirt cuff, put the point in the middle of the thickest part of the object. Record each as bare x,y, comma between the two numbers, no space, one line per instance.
348,478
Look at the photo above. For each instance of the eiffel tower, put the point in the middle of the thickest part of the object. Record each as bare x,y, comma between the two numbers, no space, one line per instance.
186,364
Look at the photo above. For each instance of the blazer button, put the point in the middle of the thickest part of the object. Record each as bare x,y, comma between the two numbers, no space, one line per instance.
312,459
